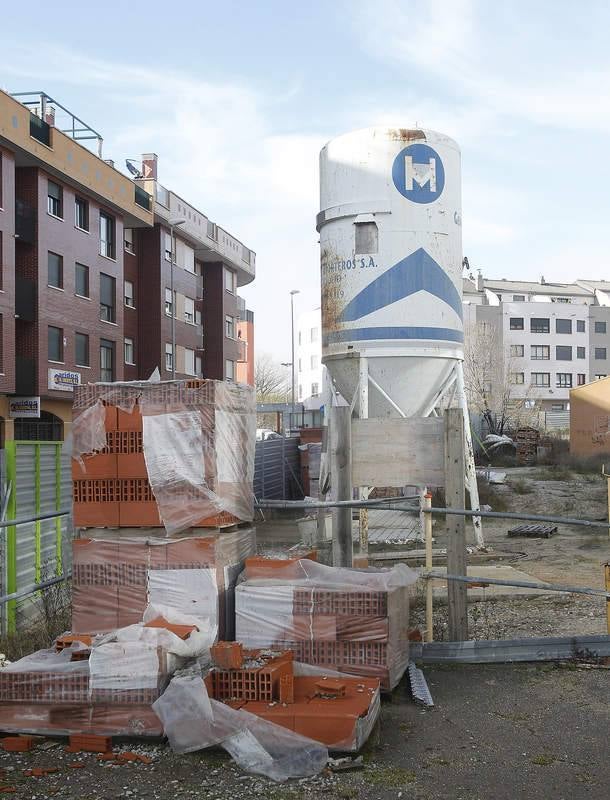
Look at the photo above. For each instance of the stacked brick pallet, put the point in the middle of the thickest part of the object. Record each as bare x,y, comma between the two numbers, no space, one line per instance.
346,620
176,455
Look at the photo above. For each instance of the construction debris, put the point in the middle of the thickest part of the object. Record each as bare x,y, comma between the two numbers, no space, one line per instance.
419,686
538,531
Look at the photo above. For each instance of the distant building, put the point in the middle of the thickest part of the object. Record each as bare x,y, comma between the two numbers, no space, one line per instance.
309,354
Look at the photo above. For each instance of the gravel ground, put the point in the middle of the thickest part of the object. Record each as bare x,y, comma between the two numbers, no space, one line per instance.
520,731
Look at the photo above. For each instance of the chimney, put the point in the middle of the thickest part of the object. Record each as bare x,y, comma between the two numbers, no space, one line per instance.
109,161
480,286
149,166
542,281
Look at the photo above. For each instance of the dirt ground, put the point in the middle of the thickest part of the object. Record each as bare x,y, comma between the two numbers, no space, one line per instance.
502,732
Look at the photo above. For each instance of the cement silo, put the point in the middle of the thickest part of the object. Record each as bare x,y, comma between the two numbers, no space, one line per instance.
391,262
391,273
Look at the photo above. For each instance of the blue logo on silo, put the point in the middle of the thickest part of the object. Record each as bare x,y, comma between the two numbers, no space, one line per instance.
418,173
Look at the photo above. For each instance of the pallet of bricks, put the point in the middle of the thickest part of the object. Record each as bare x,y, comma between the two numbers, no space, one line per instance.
527,445
159,471
348,620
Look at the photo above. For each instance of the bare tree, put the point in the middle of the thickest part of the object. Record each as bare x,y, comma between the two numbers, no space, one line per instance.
270,380
494,386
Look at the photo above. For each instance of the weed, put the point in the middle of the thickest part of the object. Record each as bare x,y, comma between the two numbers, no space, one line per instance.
391,777
554,473
438,761
521,487
543,760
347,792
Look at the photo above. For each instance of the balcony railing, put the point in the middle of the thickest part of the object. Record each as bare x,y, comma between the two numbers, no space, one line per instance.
40,130
142,198
25,376
25,299
25,222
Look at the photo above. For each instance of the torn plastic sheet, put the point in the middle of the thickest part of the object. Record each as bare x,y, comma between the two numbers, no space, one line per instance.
89,431
192,721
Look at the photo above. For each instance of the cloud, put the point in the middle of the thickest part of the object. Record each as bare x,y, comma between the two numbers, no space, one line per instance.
218,149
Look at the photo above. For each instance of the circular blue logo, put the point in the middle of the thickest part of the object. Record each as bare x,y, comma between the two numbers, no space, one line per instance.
418,173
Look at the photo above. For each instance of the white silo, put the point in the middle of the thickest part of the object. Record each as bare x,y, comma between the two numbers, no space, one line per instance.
391,264
391,271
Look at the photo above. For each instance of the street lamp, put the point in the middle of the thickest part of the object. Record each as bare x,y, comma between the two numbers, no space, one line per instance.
173,223
292,294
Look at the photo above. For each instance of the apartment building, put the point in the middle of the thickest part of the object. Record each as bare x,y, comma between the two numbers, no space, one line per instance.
245,336
309,354
87,262
548,337
63,213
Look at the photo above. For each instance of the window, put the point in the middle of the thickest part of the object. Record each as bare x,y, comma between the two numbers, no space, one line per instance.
197,317
106,360
580,352
540,325
600,353
185,256
229,280
230,370
563,326
367,237
516,351
580,379
540,352
55,271
560,300
198,365
229,327
600,327
516,323
314,333
168,246
189,310
128,243
1,251
189,361
81,280
563,353
81,213
107,236
599,377
541,378
1,206
518,298
1,339
529,404
558,407
169,305
128,293
517,377
314,362
580,326
169,358
564,380
55,200
129,351
81,349
55,344
300,365
300,342
315,390
107,298
300,390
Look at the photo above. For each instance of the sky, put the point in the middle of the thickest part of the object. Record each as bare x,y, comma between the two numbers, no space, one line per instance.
237,99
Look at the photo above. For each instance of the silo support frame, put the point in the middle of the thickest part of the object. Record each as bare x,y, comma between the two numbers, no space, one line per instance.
470,476
363,413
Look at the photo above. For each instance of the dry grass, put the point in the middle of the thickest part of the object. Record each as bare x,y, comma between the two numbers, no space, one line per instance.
48,616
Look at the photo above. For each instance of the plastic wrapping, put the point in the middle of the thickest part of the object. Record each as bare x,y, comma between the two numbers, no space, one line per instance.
192,721
187,447
115,579
353,621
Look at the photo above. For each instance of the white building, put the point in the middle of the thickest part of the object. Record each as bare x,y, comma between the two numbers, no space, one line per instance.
309,354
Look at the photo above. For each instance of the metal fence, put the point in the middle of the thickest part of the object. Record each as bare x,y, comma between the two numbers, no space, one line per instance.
36,481
277,469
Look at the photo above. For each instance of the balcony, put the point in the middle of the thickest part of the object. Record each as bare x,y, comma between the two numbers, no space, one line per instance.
25,222
142,198
25,299
40,130
25,376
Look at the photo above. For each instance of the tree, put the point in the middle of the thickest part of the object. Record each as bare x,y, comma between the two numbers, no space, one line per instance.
494,387
270,380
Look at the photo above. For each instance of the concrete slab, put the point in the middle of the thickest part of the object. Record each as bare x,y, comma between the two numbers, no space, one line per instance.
499,572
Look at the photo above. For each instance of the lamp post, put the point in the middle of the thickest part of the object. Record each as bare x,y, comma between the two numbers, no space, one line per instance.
292,294
173,223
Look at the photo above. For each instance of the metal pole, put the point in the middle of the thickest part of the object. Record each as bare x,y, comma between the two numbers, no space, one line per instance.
607,576
341,482
456,544
363,413
427,503
171,289
292,411
550,587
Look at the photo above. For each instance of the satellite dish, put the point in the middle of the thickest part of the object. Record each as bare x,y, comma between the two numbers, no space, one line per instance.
133,169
